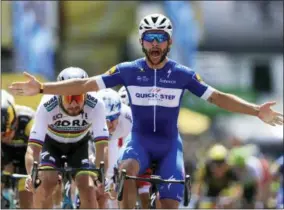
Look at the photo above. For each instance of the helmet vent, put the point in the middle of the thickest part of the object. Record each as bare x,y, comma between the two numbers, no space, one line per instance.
163,21
154,19
146,21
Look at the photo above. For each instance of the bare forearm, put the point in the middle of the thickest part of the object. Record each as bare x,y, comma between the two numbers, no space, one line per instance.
100,154
30,157
233,103
70,87
106,157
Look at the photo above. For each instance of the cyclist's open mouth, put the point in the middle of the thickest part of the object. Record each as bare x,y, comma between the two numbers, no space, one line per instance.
155,53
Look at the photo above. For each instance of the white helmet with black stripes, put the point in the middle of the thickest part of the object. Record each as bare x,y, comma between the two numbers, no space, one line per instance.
72,73
155,22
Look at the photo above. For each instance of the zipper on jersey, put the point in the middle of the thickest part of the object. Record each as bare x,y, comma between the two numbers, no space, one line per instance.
155,86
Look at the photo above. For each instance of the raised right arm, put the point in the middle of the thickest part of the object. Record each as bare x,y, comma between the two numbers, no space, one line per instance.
71,87
79,86
68,87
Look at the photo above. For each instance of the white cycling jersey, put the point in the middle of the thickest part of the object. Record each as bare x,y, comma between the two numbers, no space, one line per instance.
51,120
116,139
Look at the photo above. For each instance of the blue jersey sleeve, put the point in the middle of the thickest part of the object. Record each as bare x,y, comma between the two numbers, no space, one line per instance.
111,78
195,84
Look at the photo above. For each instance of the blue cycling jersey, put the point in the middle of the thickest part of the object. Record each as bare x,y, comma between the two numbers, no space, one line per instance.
155,94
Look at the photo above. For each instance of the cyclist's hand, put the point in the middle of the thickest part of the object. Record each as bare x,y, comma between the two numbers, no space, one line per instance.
100,188
269,116
28,88
100,194
29,185
110,189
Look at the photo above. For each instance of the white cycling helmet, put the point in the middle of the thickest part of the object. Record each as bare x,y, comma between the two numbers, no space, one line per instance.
72,73
123,95
112,102
155,22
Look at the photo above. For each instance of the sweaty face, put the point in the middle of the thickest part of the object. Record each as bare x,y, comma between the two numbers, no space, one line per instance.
155,44
73,104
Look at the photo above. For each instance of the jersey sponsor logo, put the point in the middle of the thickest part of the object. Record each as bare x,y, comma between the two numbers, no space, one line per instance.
51,103
148,96
58,116
155,93
91,101
142,78
167,81
155,96
169,73
128,117
73,123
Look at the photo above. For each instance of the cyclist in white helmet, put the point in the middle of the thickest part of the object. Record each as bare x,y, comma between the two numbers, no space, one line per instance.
119,122
64,124
155,84
124,96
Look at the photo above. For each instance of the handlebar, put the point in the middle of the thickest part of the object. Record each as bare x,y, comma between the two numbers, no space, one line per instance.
155,180
36,181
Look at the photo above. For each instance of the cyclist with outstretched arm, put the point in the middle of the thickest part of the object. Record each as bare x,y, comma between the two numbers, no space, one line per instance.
155,85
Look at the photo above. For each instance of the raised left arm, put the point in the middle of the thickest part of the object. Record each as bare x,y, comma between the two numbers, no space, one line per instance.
234,103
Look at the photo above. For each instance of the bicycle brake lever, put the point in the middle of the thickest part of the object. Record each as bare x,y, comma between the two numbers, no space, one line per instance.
187,193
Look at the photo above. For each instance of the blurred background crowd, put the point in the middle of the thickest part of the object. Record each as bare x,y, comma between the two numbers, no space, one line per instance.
236,46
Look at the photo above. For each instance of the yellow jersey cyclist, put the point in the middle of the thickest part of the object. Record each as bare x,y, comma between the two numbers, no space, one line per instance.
16,123
64,125
218,178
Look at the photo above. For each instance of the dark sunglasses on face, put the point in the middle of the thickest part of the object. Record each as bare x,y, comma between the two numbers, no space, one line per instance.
159,37
69,99
113,117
